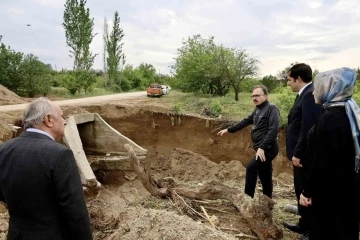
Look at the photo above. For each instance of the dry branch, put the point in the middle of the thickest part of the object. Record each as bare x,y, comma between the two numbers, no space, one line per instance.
257,212
207,216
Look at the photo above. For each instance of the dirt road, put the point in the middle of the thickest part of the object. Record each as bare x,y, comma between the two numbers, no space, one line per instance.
82,101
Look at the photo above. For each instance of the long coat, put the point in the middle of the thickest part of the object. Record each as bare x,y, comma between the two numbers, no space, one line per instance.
332,182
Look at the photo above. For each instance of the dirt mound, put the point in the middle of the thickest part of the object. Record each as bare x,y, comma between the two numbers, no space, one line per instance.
6,132
67,111
8,97
149,224
146,223
187,166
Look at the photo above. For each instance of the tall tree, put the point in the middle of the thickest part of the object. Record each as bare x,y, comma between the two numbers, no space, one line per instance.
238,65
78,30
116,57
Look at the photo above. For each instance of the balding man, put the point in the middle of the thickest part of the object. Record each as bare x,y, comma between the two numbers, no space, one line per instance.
39,180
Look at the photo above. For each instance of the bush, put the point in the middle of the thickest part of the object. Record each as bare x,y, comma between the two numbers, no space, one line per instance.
178,107
122,85
100,82
216,108
125,85
59,92
356,97
270,82
284,100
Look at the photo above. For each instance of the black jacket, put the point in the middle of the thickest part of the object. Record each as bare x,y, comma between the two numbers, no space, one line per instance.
265,120
40,183
301,118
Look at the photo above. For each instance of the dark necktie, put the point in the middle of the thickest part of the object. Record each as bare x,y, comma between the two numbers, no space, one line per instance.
297,96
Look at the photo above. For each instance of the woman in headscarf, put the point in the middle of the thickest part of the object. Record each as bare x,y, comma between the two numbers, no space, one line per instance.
333,169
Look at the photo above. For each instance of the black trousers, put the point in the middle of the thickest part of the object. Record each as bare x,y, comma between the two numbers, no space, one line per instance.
264,170
299,184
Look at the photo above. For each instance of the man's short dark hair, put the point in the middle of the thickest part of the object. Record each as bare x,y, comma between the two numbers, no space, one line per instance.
301,70
263,88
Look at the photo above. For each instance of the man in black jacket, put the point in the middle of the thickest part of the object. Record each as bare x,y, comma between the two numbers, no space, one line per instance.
40,182
301,118
265,121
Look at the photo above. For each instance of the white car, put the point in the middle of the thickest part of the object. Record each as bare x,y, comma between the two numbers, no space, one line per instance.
165,89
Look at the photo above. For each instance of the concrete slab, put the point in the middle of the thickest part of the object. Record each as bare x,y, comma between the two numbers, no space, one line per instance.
73,141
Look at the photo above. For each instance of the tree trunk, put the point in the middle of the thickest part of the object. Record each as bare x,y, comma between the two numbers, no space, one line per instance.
236,95
257,212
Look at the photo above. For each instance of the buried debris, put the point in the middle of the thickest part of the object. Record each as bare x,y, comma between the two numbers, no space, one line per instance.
257,212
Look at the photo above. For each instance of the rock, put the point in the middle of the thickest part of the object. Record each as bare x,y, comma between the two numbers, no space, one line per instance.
215,220
108,155
210,141
130,176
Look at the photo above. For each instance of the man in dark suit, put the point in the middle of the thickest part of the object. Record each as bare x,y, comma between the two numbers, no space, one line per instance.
39,180
301,118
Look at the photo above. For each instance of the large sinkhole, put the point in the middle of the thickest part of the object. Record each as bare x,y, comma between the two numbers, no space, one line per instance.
160,132
185,148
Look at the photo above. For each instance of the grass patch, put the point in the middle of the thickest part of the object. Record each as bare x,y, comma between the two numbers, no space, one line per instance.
61,92
232,110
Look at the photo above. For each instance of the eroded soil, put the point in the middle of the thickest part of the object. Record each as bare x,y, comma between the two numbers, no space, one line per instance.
184,148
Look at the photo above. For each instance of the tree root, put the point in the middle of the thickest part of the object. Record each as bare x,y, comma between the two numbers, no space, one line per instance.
257,212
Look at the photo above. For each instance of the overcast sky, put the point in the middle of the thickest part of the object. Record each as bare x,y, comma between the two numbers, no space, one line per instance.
322,33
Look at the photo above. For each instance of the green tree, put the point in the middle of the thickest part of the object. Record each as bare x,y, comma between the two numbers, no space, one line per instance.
78,31
148,73
36,76
197,67
10,61
134,76
247,85
67,80
238,65
84,79
271,82
116,57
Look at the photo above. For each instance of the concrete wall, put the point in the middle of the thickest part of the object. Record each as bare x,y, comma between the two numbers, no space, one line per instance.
99,137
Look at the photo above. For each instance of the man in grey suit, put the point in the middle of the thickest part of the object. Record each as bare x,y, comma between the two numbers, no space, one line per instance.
39,180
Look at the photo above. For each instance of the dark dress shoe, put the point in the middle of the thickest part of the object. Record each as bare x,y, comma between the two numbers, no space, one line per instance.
294,227
305,236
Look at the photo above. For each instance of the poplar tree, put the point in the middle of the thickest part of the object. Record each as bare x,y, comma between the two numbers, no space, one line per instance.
115,55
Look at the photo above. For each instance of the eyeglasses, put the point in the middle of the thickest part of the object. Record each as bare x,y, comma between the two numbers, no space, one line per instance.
256,96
